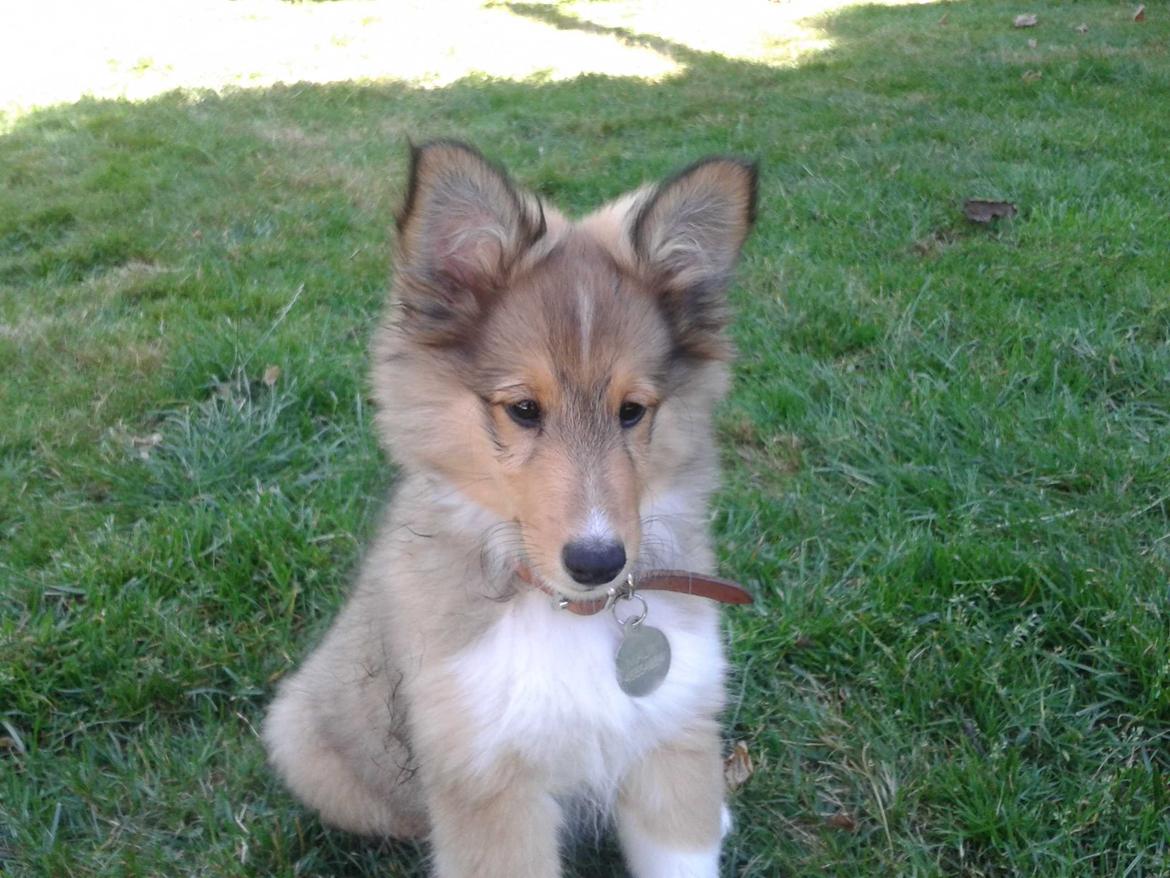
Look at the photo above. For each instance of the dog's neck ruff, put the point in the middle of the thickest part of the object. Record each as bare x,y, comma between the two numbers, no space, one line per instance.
680,581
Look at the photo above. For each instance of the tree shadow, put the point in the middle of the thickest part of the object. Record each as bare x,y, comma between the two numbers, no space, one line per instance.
554,17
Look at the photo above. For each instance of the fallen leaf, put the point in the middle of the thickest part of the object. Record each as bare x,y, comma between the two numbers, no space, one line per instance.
146,444
1140,14
945,18
979,210
1032,75
146,441
271,374
1032,44
1027,20
737,767
841,820
1082,28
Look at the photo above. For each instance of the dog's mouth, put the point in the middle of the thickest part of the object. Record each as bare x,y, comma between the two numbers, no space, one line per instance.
575,594
574,600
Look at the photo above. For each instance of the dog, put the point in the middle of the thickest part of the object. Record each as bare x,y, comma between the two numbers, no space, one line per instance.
547,387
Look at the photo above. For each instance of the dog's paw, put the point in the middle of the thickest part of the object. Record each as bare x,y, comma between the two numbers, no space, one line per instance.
649,859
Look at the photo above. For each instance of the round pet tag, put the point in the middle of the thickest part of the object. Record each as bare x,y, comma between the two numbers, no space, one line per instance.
643,660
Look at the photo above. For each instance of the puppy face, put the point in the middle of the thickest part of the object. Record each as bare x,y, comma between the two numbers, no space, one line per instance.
558,374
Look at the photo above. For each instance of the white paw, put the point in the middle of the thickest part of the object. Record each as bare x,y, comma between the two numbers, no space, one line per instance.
648,859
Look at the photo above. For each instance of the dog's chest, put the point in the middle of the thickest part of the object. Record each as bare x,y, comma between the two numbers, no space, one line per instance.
543,684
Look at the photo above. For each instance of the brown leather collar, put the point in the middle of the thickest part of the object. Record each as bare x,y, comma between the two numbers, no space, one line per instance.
723,590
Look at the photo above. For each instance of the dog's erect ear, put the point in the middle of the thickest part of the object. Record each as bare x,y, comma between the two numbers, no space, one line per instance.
461,229
687,235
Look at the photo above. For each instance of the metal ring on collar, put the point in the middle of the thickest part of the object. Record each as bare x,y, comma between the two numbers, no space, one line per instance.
625,590
634,620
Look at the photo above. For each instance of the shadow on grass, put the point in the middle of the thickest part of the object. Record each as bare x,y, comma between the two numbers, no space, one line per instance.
554,17
154,247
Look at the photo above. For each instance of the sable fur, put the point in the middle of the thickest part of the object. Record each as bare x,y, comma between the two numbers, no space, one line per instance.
448,699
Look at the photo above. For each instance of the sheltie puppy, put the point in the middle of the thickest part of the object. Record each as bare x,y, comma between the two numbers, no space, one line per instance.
547,387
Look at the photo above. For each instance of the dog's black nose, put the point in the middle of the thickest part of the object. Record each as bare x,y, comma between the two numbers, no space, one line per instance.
593,562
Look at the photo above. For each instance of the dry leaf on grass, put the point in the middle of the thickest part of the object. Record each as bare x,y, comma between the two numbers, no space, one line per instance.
1027,20
842,820
1140,14
737,767
979,210
1032,75
1032,44
271,374
146,444
1082,28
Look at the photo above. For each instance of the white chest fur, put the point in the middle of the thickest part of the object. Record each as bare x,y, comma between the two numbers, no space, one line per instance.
541,683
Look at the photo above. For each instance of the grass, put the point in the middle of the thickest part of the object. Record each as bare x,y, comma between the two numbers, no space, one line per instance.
947,477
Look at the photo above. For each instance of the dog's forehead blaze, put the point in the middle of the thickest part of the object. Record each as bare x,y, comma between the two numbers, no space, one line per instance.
577,325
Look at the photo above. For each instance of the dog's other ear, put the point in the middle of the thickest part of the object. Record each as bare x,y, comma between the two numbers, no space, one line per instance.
687,235
461,230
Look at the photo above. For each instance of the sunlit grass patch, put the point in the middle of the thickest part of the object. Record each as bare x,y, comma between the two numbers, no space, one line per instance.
136,49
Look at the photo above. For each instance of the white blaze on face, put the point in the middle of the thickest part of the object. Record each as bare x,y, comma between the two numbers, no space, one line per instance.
585,319
597,528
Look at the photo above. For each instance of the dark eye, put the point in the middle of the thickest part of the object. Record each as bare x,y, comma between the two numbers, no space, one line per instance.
526,413
630,413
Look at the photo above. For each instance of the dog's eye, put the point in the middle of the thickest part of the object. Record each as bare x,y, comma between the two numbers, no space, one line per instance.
526,413
630,413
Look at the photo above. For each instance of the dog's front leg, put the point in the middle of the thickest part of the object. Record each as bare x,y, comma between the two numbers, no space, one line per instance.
510,832
670,811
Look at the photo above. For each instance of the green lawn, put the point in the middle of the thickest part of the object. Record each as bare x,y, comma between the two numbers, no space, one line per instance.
947,475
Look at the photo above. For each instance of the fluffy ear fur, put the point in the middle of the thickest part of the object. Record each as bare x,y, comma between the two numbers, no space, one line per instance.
687,235
461,230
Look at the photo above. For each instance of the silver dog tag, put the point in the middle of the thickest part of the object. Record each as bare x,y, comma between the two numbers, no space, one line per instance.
643,659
